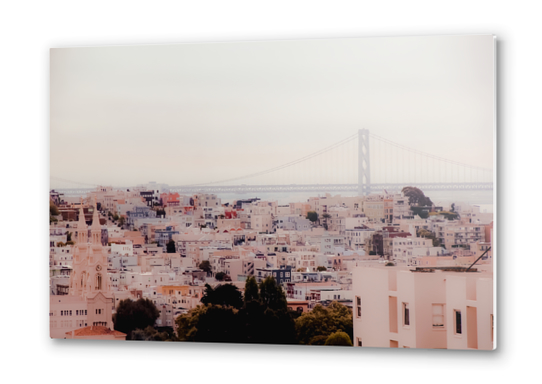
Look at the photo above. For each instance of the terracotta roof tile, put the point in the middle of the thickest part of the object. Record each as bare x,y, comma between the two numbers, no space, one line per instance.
95,330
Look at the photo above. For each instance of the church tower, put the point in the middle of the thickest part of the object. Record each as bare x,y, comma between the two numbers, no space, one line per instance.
89,279
82,229
78,278
90,298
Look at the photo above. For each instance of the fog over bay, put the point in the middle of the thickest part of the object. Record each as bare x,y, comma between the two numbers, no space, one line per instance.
194,113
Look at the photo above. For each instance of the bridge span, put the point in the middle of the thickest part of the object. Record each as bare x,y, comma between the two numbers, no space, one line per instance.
315,188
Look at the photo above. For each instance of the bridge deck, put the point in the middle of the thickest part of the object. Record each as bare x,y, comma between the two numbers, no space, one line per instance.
322,188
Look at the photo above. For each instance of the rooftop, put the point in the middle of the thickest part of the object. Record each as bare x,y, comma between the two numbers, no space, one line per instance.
95,330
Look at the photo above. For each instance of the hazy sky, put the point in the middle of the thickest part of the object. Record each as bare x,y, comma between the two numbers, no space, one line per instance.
193,113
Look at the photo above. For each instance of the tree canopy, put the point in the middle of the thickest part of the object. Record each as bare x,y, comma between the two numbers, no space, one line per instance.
429,235
132,315
339,338
264,317
152,334
272,295
260,317
312,216
205,266
53,209
251,290
314,327
227,295
416,196
171,246
208,323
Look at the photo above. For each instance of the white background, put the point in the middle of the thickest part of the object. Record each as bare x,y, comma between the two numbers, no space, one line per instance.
29,29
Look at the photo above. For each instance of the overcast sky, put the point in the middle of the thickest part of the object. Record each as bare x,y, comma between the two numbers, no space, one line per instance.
194,113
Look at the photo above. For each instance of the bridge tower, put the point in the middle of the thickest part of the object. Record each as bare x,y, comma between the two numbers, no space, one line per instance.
364,163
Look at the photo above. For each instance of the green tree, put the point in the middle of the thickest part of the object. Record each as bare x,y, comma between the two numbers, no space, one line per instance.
251,290
205,266
264,317
272,295
312,216
326,216
416,197
209,323
53,209
321,268
422,212
132,315
227,295
429,235
220,276
314,327
152,334
339,338
121,220
171,246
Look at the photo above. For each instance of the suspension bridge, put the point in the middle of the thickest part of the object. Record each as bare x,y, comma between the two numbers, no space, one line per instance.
363,163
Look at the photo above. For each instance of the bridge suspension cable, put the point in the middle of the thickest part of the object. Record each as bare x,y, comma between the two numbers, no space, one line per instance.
286,165
416,151
72,182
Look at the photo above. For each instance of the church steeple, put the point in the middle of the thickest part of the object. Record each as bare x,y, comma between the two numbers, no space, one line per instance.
96,228
82,228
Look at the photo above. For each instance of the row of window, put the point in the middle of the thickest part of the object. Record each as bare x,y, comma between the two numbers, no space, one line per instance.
78,312
67,324
437,314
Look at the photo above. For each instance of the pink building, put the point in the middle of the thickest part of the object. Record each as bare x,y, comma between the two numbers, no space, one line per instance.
445,308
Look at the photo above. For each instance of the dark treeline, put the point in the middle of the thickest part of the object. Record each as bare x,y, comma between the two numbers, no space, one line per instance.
262,316
225,315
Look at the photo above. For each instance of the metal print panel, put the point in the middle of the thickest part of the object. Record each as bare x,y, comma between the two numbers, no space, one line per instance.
331,192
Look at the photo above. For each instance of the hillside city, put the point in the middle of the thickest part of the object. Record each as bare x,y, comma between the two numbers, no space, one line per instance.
382,270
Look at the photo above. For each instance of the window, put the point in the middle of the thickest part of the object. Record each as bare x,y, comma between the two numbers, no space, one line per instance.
457,322
358,307
438,315
406,314
359,343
